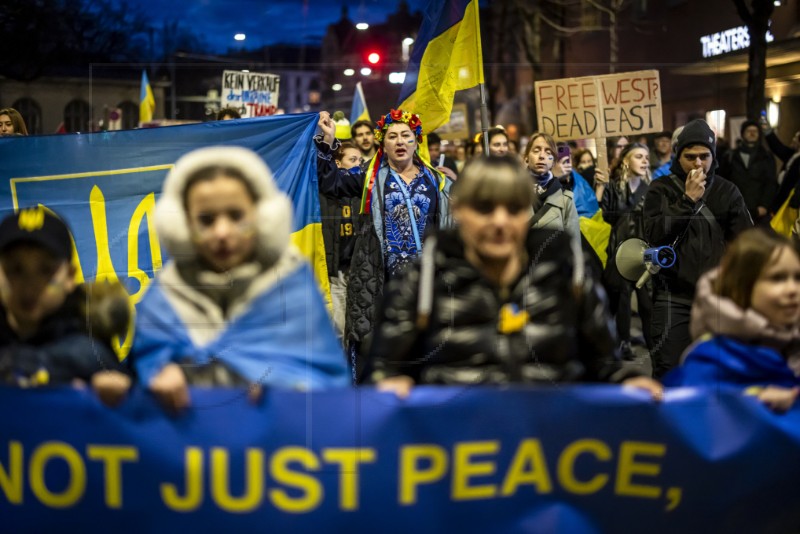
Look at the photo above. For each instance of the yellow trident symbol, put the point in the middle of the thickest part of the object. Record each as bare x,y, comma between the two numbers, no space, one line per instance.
31,219
512,319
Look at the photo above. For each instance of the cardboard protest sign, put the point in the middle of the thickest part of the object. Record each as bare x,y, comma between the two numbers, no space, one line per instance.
627,104
253,94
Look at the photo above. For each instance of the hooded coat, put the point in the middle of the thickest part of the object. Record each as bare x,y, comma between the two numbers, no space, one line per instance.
670,216
735,347
264,321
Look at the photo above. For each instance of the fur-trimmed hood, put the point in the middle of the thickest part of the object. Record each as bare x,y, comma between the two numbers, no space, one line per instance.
713,314
274,209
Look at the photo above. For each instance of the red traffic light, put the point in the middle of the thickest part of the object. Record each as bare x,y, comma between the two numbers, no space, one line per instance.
374,58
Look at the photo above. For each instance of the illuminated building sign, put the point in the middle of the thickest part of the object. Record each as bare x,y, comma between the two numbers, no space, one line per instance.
728,41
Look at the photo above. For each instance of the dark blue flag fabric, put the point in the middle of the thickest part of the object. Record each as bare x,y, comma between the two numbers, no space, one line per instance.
569,459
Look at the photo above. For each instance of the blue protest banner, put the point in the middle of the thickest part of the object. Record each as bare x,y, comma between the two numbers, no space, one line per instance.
569,459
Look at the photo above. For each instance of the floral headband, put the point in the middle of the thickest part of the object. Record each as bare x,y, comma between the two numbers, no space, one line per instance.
398,115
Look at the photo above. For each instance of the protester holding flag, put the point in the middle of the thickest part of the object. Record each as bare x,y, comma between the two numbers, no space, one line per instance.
238,304
338,228
401,198
494,302
746,315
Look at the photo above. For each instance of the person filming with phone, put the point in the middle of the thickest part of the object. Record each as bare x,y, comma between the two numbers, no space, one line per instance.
698,214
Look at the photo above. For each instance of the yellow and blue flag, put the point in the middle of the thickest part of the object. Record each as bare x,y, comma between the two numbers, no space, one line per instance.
105,186
446,58
359,111
147,102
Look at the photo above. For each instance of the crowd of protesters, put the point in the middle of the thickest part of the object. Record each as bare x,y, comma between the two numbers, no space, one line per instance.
446,266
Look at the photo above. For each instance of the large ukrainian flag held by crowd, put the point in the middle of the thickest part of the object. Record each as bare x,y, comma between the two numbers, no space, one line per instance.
105,186
446,58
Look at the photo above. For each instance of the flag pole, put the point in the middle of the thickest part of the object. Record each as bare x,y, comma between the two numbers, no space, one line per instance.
484,106
484,120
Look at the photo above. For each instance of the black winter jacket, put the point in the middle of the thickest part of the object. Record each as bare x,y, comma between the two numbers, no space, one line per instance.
669,213
338,231
622,209
62,346
472,338
757,182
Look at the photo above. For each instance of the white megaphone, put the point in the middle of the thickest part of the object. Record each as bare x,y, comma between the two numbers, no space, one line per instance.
637,262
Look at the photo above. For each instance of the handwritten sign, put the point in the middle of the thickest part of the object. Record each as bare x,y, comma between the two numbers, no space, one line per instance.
628,103
254,94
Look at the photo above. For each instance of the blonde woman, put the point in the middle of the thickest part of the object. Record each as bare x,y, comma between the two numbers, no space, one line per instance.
621,201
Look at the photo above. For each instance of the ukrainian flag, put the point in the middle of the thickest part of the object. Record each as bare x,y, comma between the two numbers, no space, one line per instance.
105,186
446,58
147,102
359,111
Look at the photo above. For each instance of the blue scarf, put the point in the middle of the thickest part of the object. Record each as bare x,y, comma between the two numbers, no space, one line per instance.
284,339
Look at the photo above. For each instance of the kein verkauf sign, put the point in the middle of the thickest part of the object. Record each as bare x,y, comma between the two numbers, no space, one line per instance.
254,94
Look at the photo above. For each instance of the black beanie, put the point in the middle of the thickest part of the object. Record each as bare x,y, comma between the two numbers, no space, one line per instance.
697,132
747,123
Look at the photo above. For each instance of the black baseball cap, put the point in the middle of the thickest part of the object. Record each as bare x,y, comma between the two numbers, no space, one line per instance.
36,226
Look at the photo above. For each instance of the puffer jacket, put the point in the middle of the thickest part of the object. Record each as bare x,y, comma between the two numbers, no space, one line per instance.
539,332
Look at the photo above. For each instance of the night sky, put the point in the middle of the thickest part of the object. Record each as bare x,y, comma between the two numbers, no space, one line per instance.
266,21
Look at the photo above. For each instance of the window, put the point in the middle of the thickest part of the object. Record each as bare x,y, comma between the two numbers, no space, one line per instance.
32,114
76,116
130,114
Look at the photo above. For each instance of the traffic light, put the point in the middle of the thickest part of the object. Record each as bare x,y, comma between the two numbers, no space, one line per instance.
373,58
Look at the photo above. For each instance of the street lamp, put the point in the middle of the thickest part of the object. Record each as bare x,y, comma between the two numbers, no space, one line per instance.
407,42
366,71
362,26
336,87
349,72
240,37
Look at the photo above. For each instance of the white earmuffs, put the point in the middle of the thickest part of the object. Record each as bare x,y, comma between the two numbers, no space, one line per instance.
275,215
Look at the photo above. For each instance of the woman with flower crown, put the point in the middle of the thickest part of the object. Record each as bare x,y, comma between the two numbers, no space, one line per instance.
402,197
